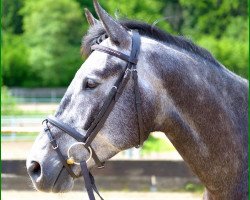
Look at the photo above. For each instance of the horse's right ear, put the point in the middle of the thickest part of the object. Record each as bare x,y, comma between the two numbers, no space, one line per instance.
90,18
118,35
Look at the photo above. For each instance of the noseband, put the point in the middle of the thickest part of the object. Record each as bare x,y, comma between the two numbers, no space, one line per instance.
109,103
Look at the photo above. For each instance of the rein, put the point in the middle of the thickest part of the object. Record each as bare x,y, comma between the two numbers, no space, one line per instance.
109,103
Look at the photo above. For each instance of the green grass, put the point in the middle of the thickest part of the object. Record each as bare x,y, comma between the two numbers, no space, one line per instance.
8,102
194,187
27,113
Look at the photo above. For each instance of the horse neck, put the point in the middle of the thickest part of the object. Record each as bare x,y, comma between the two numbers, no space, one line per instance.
204,114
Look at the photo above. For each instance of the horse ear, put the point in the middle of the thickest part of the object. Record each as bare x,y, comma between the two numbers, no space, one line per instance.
117,33
90,18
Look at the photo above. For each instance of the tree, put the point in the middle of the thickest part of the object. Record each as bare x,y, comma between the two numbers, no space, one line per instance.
41,39
220,26
150,11
53,31
11,18
15,65
211,16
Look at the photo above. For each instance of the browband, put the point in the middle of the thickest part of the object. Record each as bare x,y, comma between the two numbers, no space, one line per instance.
115,53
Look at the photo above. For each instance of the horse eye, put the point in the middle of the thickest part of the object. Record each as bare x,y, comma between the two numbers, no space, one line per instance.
90,84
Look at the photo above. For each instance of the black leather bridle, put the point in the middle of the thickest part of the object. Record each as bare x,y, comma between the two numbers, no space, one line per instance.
97,124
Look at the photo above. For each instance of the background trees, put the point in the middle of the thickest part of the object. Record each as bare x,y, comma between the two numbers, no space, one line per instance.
41,39
49,45
220,26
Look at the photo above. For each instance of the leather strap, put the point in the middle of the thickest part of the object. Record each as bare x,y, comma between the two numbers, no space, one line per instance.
101,112
114,53
106,110
134,53
56,148
66,128
89,182
138,108
73,133
116,91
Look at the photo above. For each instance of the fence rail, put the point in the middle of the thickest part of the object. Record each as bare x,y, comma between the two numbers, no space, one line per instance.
37,95
12,127
117,175
119,168
15,128
20,124
38,99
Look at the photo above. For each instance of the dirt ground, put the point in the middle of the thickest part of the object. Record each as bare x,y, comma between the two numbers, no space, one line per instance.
27,195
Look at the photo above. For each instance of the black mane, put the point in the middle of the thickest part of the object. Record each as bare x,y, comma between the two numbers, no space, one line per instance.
150,31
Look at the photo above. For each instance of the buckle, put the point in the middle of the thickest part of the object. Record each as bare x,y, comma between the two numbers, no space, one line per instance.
46,120
102,165
114,87
54,143
55,147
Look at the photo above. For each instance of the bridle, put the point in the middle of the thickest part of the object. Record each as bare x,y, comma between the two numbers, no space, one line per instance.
109,103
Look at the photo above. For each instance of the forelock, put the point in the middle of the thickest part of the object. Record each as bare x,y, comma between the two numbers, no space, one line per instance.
91,38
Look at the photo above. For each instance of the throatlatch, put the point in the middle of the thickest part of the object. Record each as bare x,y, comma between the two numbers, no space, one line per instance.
113,96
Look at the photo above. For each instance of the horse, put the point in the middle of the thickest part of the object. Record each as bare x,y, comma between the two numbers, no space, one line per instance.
200,105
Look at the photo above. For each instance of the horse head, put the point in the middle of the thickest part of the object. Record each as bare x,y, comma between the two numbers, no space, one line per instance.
82,102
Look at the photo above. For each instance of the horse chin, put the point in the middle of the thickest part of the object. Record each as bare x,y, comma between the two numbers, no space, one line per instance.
63,183
63,187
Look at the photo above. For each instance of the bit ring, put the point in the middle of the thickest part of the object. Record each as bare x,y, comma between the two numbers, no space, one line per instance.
71,157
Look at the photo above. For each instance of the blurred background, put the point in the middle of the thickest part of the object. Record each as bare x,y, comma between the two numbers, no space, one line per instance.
40,51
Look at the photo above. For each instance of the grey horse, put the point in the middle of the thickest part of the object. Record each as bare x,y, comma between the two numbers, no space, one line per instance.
201,106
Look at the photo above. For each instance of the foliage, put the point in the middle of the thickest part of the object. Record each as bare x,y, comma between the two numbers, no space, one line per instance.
153,144
237,24
232,54
52,31
11,18
194,187
7,101
41,39
211,16
15,65
139,10
221,27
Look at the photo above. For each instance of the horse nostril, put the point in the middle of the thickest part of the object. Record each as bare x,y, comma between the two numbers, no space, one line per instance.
34,169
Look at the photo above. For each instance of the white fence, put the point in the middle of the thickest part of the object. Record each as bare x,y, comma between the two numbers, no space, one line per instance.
26,128
15,128
37,95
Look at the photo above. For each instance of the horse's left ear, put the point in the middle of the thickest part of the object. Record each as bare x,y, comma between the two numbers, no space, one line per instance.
90,18
117,33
